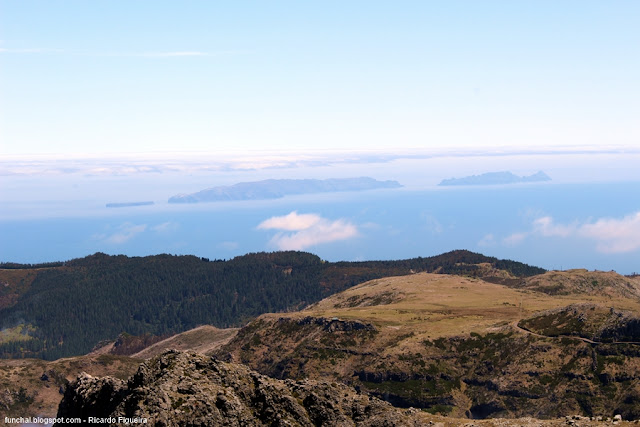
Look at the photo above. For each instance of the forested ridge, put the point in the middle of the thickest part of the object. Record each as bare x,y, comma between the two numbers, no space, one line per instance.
71,306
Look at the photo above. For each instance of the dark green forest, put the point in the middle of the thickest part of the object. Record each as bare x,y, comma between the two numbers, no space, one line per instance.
75,304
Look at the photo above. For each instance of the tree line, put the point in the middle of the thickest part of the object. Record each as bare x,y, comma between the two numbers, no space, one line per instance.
81,302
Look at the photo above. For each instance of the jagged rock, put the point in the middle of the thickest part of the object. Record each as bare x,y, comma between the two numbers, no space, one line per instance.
176,389
334,324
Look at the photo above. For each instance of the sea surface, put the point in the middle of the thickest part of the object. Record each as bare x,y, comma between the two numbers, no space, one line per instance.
550,224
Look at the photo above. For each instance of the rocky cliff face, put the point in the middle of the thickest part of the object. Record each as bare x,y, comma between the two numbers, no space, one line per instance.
508,373
176,389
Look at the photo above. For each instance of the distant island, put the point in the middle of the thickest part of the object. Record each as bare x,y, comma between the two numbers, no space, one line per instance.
126,205
496,178
277,188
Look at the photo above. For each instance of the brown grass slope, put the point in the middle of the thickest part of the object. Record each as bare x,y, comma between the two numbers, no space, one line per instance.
451,345
33,387
203,339
592,322
581,281
14,283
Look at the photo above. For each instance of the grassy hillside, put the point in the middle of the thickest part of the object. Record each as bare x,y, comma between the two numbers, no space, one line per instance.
453,345
62,309
603,283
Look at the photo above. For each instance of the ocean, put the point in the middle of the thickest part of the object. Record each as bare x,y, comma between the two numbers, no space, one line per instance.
562,224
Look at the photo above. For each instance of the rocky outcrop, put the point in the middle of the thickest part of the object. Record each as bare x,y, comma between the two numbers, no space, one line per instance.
176,389
595,322
333,324
508,373
581,282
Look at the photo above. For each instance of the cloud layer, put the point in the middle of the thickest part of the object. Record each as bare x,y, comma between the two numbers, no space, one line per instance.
126,232
612,235
301,231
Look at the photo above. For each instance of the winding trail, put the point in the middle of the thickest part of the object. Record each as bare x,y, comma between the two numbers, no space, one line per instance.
586,340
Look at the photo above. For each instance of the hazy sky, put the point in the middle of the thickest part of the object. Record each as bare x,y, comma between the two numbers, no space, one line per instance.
135,76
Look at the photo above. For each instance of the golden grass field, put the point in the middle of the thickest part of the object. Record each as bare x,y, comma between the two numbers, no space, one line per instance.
435,305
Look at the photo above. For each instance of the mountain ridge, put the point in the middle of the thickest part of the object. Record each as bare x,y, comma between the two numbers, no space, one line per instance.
69,307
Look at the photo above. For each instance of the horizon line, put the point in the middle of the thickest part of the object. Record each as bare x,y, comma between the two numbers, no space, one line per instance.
395,153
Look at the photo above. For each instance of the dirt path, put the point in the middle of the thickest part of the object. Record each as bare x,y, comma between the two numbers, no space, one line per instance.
202,339
586,340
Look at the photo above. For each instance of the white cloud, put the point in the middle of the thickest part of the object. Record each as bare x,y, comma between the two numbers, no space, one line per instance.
165,227
546,227
126,232
291,222
308,230
514,239
611,235
614,235
431,224
487,240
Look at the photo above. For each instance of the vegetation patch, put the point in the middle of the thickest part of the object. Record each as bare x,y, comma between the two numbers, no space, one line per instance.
19,333
439,409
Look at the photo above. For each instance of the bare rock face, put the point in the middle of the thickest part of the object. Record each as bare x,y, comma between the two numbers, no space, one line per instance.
178,389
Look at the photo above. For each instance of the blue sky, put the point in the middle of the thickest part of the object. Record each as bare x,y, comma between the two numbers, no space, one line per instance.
124,76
